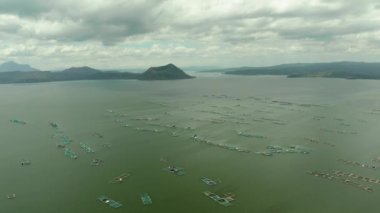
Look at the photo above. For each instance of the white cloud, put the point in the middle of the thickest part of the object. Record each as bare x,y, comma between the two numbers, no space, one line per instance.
129,33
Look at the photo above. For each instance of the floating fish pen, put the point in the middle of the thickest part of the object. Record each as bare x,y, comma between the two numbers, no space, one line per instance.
148,130
120,178
154,124
344,124
257,120
343,132
189,128
373,112
70,154
174,134
209,181
346,132
279,123
224,146
357,164
146,119
119,121
310,105
270,119
217,121
225,200
109,202
376,159
250,135
315,141
195,137
336,177
175,170
211,112
284,103
240,122
16,121
171,126
66,140
233,148
264,111
86,148
274,149
146,199
357,177
106,146
119,115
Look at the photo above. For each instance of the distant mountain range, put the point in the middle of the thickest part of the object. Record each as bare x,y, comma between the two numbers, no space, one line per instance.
167,72
13,66
347,70
11,72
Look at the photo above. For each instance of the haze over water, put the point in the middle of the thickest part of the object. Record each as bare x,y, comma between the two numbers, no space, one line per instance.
136,121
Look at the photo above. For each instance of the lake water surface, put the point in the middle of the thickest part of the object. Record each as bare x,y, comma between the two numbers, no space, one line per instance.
135,126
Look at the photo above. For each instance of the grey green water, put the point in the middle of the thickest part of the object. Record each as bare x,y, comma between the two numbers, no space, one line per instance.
136,119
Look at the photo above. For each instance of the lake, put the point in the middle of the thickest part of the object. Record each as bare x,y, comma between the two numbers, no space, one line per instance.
278,144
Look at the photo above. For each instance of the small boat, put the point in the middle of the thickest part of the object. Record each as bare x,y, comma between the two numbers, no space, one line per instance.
54,125
120,178
109,201
96,162
145,198
209,181
96,134
61,146
25,162
18,121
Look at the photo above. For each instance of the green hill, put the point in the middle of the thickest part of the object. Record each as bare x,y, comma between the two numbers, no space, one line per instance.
167,72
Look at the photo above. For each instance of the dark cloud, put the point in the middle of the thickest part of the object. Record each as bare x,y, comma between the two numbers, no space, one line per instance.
327,31
322,22
24,8
114,23
109,22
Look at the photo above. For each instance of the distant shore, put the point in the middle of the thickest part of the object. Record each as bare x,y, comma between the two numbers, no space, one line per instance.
346,70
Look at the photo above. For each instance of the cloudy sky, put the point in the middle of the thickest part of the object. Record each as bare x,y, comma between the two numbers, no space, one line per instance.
141,33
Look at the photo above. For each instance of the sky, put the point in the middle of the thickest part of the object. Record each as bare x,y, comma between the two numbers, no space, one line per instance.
113,34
